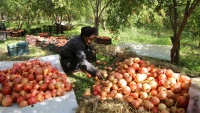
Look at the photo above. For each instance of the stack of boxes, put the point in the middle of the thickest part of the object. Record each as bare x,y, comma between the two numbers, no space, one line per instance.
18,49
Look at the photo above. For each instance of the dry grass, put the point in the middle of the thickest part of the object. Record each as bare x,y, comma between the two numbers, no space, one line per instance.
93,105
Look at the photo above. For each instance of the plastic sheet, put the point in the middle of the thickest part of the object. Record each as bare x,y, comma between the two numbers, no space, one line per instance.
150,50
194,92
61,104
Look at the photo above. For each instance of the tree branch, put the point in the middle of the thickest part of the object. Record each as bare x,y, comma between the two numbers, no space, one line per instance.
97,8
187,7
92,12
170,17
186,16
93,5
175,16
105,7
194,5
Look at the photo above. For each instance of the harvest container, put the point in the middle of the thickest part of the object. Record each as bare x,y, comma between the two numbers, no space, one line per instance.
22,47
103,40
51,47
44,34
12,50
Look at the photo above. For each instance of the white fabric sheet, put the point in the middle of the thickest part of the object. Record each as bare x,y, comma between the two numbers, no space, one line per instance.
150,50
61,104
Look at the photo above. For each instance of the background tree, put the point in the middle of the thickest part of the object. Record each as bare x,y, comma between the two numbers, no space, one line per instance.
129,13
20,11
30,11
59,11
194,25
2,9
175,14
97,8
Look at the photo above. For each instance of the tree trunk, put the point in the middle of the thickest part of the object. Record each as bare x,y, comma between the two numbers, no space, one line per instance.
96,16
28,23
19,24
104,25
59,28
97,24
175,49
38,18
176,38
60,25
2,18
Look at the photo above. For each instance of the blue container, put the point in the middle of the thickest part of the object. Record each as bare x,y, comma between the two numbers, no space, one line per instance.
22,47
12,50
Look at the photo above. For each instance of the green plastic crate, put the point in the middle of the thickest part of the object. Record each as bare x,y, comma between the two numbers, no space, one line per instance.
12,50
51,47
22,47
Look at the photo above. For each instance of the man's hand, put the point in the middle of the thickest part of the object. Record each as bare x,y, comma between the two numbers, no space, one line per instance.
99,75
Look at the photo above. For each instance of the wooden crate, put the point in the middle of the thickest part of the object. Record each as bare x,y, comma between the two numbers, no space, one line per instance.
103,40
44,34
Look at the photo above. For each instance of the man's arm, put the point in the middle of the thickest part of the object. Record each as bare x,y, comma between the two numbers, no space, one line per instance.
85,65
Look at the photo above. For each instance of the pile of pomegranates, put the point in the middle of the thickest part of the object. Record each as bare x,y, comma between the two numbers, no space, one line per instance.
29,82
144,86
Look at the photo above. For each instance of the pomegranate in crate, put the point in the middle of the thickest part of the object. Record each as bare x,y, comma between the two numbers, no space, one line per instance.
103,40
44,34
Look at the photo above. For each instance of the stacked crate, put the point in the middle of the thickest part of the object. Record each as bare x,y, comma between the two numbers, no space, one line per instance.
103,40
12,50
22,47
18,49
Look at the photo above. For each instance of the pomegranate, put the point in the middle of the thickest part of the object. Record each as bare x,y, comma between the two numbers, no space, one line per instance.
32,100
6,90
162,95
23,103
6,101
182,102
122,83
148,105
155,100
135,104
162,106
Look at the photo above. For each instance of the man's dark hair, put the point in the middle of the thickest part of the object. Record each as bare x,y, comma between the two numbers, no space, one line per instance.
88,31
